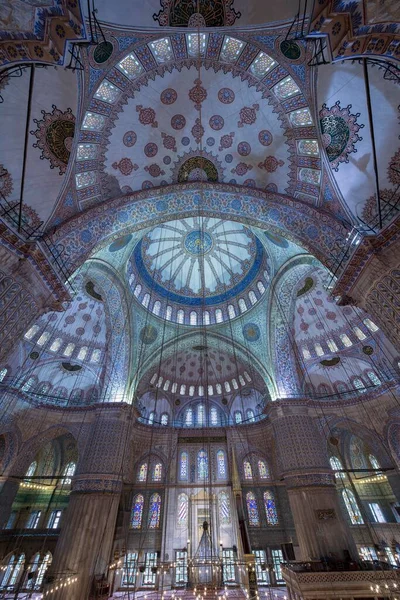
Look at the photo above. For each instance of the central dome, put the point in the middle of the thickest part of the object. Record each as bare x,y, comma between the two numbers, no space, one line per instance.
198,262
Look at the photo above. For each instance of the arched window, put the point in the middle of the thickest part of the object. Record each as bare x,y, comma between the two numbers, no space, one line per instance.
137,290
238,416
154,511
306,353
191,390
159,382
250,415
210,390
235,384
8,572
43,338
3,373
31,469
68,350
28,385
371,325
221,467
157,472
82,353
252,510
174,387
318,349
168,312
151,418
166,385
206,317
200,414
189,417
146,300
16,572
153,379
183,466
156,307
183,510
224,508
260,287
180,316
231,311
182,390
248,473
252,297
164,419
336,466
43,388
142,476
193,317
218,388
218,316
137,511
202,465
358,384
214,416
375,464
201,390
263,469
373,377
33,567
345,340
31,332
42,570
242,305
352,507
241,379
270,508
332,345
68,472
360,334
247,376
227,387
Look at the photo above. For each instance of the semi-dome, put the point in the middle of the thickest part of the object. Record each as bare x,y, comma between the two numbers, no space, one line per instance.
199,270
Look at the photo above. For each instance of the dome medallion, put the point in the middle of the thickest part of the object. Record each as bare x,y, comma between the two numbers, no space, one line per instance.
198,242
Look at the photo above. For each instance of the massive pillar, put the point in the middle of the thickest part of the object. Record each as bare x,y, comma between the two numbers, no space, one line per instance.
28,288
303,462
87,532
371,280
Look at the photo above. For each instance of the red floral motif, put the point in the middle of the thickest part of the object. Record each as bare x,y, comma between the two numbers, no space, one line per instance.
178,122
197,94
6,184
169,142
226,141
197,131
304,326
394,169
271,164
147,116
248,115
125,165
168,96
241,168
154,170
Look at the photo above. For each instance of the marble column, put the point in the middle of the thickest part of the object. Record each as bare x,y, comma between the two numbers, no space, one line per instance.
303,463
84,548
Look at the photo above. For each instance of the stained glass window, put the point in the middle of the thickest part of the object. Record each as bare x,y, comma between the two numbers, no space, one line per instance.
162,50
86,151
130,66
373,377
308,147
270,508
69,472
250,414
286,88
183,509
375,464
157,472
154,511
300,117
224,508
93,121
214,416
252,510
107,92
371,325
336,466
358,384
263,469
85,179
200,414
262,64
164,418
238,416
221,468
312,176
183,467
189,417
202,464
248,473
352,507
143,472
231,49
194,47
137,512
